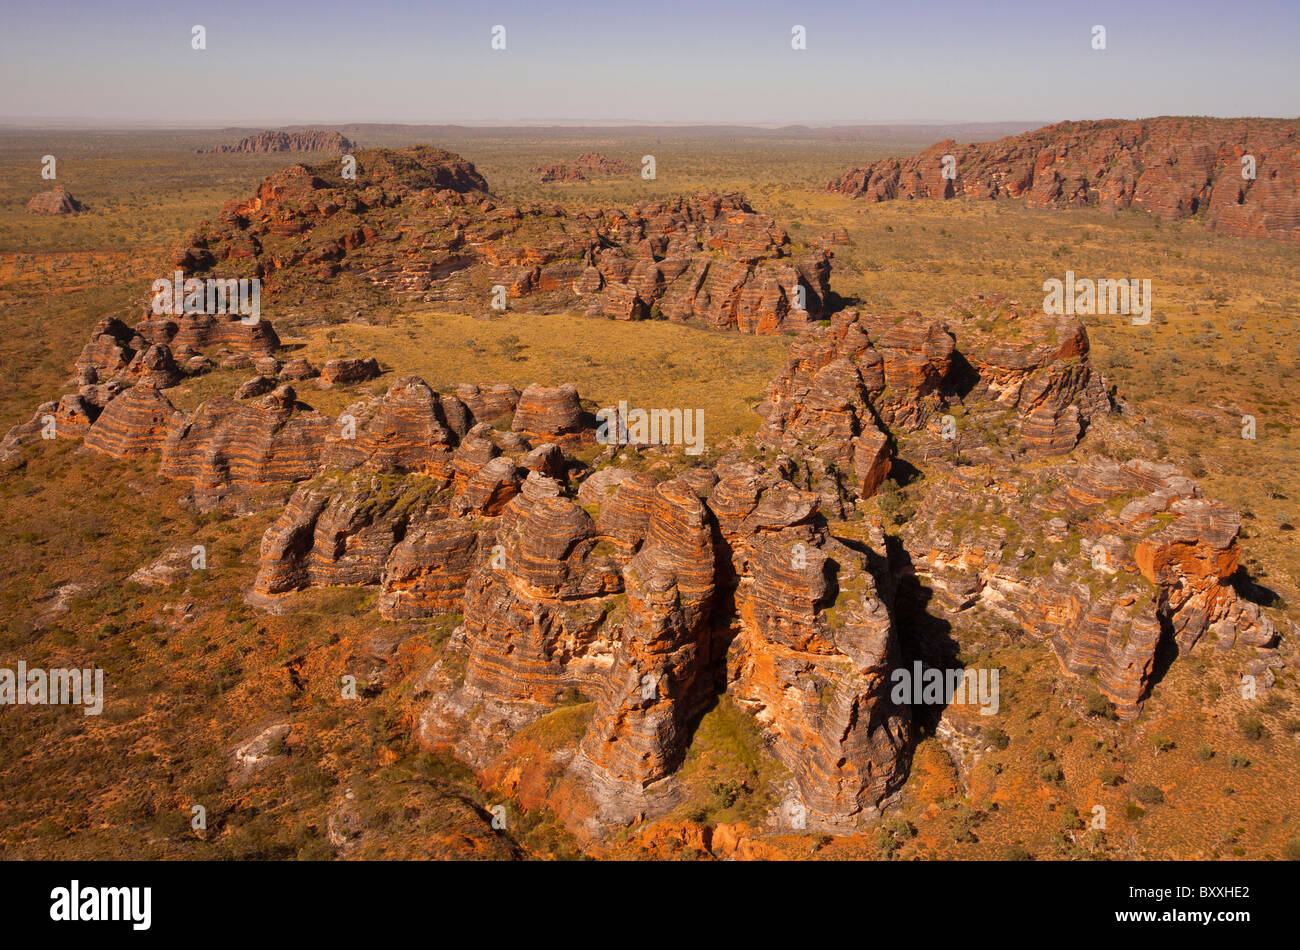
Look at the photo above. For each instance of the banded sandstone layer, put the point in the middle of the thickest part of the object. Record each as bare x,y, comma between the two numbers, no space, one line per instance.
654,588
310,140
55,201
421,221
1171,167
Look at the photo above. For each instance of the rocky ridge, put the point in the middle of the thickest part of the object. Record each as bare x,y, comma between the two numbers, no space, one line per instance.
763,575
1170,167
310,140
421,222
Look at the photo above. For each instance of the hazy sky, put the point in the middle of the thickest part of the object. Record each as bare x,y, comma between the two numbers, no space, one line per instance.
274,62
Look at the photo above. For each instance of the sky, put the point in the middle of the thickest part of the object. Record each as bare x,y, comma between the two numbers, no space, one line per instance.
652,61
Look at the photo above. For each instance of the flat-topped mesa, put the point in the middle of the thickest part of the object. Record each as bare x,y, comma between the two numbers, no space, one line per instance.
1243,174
708,258
1128,562
308,140
54,201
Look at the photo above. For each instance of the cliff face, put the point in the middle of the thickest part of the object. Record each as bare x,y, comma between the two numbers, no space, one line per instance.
1170,167
310,140
709,258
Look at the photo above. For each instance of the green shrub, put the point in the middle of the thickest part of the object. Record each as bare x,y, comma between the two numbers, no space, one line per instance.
1251,726
997,737
1149,795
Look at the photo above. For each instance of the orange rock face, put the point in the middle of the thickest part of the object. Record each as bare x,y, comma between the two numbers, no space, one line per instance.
310,140
709,258
54,201
1170,167
135,423
1113,591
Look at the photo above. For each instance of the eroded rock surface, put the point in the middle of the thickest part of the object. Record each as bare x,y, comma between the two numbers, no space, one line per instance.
1170,167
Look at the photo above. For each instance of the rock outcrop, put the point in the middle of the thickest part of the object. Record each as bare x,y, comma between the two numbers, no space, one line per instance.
54,201
587,166
644,589
228,444
1241,175
710,258
309,140
1130,568
135,423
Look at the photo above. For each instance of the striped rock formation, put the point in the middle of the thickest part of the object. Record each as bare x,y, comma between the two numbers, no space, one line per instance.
553,414
228,443
410,429
135,423
54,201
428,570
812,660
709,258
1243,175
845,383
308,140
536,612
342,532
1116,590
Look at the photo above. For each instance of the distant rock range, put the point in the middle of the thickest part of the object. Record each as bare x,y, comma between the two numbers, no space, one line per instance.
1171,167
311,140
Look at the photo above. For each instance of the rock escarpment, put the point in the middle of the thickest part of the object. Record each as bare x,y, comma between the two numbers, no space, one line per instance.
1118,566
847,387
421,221
1170,167
309,140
